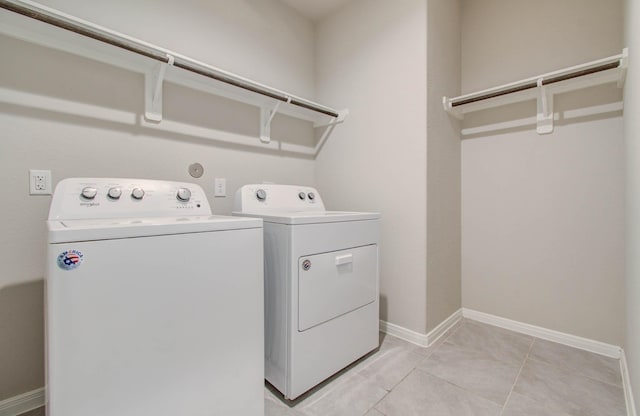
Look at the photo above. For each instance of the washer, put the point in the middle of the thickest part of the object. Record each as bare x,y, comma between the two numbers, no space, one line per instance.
153,305
321,284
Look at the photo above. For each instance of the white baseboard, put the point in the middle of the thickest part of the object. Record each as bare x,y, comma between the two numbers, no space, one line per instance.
435,334
626,384
586,344
16,405
404,333
423,340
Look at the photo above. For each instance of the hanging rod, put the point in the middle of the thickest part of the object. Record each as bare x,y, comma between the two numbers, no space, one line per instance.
81,27
601,65
534,84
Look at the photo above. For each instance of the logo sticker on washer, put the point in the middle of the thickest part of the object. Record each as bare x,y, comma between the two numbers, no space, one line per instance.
70,259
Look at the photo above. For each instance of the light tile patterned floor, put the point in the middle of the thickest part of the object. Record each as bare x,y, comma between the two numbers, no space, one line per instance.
475,369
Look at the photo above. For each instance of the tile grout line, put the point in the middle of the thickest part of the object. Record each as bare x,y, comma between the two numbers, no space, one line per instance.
575,372
504,406
444,338
472,393
572,372
389,391
472,348
383,397
464,389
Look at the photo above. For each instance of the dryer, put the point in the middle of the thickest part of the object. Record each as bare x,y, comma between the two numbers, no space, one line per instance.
153,305
321,284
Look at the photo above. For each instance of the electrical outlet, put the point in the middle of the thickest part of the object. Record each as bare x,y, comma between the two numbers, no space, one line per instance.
220,187
39,182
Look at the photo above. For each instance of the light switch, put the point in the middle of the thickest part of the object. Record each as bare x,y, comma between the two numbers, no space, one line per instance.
220,187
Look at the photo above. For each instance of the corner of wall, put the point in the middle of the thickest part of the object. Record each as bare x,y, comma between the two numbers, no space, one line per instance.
632,147
443,163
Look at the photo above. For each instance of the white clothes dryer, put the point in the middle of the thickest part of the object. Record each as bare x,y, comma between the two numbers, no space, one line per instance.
321,284
153,305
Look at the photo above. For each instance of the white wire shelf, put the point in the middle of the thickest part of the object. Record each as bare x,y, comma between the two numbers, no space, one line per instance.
542,88
35,23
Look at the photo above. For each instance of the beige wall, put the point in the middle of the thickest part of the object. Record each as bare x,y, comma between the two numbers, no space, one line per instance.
263,40
507,40
22,329
443,163
543,216
399,153
372,56
632,140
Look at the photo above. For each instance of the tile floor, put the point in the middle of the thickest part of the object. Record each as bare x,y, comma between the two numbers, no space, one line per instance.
475,369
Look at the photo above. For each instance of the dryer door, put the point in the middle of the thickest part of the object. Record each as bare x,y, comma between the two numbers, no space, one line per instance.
332,284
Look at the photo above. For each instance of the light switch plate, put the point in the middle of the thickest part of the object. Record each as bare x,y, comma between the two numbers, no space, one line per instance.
220,187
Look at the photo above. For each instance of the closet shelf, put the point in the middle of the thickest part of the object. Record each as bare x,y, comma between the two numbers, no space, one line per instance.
542,88
35,23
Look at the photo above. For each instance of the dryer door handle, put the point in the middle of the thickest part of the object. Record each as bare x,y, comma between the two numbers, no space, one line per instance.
344,259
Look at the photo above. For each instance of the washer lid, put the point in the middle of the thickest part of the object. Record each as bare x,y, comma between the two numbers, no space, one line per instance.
62,231
310,217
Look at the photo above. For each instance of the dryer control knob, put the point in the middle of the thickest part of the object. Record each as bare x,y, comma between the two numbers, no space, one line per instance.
261,194
137,193
183,194
311,196
89,192
302,196
115,192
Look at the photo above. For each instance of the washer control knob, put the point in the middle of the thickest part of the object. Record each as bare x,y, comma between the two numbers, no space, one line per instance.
115,192
261,194
311,196
183,194
302,196
137,193
89,192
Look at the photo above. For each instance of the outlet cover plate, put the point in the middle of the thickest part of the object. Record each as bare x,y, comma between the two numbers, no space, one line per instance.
39,182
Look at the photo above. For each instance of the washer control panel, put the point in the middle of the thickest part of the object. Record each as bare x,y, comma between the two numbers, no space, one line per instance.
89,198
272,197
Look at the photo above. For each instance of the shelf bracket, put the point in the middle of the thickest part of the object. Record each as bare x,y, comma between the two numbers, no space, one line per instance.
544,118
266,116
342,114
329,127
446,104
624,65
153,90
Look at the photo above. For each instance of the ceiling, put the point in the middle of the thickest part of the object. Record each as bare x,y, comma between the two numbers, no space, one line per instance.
315,9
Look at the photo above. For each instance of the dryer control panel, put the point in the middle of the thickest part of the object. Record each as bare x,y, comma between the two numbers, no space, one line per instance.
93,198
272,197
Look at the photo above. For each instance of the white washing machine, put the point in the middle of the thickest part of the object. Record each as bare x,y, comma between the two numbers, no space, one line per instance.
321,284
153,305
